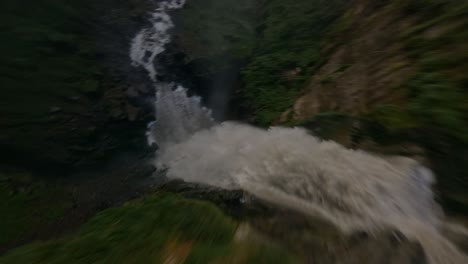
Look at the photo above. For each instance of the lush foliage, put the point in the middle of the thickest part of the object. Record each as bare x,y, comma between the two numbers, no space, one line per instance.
436,95
288,50
435,114
439,105
154,229
213,28
276,43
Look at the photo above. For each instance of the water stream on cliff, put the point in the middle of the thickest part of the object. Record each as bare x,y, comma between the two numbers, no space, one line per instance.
288,166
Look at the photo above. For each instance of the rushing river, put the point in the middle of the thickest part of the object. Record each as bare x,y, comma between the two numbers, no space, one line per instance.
288,166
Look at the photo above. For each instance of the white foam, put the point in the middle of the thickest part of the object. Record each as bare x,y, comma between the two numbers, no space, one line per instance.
287,166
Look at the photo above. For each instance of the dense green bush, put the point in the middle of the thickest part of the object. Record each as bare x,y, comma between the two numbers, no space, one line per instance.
214,28
436,95
289,40
439,105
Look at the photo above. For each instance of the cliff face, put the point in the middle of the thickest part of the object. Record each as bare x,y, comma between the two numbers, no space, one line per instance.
374,52
396,68
66,78
365,63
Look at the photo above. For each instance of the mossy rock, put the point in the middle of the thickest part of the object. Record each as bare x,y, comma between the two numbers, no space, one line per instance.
153,229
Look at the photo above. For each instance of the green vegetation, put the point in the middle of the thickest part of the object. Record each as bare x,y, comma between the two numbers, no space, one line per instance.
288,51
153,229
439,105
393,117
53,72
429,108
333,76
437,99
27,205
213,28
275,44
435,104
435,114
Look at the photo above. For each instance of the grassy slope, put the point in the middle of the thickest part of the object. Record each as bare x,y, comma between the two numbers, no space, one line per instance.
153,229
27,204
438,93
437,99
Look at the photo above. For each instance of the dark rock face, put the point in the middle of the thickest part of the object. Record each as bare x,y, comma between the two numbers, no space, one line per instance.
81,100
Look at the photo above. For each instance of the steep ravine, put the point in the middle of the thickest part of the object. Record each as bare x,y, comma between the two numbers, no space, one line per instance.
277,188
287,167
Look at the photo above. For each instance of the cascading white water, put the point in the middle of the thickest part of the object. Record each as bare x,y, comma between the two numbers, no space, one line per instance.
287,166
177,115
151,41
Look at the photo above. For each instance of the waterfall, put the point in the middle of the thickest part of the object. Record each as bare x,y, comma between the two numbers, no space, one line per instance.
288,166
177,115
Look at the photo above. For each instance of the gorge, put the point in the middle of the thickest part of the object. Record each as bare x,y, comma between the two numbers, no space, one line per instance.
313,170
